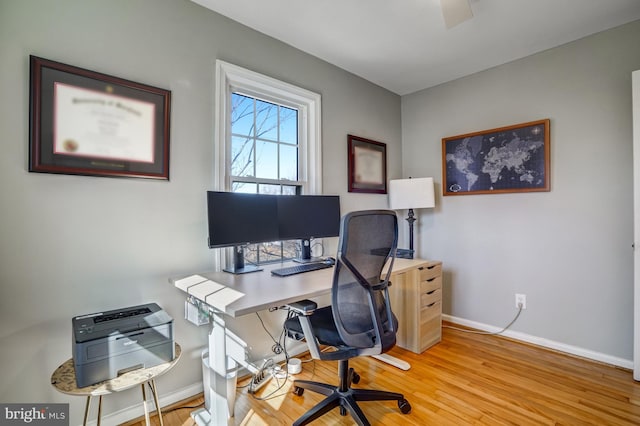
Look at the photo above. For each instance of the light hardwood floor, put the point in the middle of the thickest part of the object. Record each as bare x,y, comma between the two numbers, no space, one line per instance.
465,379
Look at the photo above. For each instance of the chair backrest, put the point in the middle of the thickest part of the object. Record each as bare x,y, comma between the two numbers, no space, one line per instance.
360,298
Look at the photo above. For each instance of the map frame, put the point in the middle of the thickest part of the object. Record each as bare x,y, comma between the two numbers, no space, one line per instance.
536,136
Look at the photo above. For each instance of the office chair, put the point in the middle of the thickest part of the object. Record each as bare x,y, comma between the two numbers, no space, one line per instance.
359,321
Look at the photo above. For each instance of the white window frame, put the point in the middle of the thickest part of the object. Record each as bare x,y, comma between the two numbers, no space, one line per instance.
232,78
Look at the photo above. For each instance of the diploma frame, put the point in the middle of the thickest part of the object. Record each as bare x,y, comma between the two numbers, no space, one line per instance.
129,140
367,164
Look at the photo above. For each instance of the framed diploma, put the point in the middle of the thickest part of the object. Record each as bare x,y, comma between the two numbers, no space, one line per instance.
87,123
367,165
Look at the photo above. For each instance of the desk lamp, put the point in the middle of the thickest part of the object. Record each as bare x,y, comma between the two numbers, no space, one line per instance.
411,194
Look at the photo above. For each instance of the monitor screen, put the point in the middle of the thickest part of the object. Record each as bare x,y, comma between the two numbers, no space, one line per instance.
308,216
236,219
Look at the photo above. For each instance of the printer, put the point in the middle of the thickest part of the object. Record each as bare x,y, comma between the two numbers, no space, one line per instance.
107,344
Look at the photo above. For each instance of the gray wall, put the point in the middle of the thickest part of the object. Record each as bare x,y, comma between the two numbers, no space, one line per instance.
568,250
71,245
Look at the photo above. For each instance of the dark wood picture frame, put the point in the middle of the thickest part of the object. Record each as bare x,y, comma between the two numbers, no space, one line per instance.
367,165
86,123
506,159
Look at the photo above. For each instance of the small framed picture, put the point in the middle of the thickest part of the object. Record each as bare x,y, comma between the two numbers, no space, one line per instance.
507,159
367,165
86,123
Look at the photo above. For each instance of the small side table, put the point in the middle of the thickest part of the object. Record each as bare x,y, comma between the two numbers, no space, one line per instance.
64,380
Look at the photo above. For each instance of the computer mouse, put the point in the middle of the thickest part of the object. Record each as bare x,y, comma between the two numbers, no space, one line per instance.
330,261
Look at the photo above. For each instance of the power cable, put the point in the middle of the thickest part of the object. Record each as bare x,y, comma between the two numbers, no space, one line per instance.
488,333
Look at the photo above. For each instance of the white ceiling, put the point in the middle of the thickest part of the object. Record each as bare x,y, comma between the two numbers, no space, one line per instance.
403,46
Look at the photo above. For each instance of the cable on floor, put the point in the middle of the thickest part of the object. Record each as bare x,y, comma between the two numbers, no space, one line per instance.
487,333
191,407
276,370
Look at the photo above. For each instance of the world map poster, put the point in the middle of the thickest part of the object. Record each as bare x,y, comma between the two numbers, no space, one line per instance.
507,159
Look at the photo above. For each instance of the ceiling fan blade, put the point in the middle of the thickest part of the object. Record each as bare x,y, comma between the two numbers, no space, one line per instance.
455,12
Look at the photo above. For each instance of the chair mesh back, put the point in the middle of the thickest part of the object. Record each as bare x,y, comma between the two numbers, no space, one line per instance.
367,240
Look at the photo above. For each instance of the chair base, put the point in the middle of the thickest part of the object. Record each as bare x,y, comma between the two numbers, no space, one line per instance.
345,397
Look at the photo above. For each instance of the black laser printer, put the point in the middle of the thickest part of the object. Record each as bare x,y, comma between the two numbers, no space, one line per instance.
107,344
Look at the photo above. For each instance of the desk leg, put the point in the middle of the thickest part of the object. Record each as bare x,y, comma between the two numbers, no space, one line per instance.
222,378
396,362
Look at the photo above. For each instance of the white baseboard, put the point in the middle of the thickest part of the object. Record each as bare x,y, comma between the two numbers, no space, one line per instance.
546,343
137,410
165,399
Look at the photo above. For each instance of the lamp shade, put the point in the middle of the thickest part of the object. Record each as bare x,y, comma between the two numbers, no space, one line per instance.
411,194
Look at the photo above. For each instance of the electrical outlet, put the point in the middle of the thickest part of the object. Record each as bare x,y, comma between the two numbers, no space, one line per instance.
521,300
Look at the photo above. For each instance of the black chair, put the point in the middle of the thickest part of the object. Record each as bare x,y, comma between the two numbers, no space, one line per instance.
359,321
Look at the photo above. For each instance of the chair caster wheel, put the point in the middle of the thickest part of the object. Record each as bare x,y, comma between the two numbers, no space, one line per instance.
353,376
404,406
356,378
298,391
343,411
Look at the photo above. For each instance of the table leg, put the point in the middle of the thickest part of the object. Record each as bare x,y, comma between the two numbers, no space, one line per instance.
146,409
86,410
154,392
99,409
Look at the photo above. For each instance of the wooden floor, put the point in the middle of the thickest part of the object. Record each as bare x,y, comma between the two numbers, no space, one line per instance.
465,379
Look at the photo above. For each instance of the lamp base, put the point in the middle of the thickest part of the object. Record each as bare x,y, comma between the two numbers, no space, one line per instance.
404,253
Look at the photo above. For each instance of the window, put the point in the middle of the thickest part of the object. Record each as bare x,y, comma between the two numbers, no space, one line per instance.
264,154
267,141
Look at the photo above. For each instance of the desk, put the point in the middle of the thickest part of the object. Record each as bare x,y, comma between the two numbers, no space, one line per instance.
64,380
245,294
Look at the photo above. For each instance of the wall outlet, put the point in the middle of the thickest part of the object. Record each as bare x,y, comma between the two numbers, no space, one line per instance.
521,299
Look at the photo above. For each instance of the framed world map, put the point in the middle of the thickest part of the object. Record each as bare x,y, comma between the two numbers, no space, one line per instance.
507,159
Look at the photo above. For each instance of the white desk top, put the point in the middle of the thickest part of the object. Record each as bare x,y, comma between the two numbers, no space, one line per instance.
256,291
238,295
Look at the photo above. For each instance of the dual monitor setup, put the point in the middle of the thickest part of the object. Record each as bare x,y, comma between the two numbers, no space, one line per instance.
238,219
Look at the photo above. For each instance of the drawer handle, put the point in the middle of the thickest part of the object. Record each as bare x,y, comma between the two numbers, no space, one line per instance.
431,279
431,292
431,304
420,268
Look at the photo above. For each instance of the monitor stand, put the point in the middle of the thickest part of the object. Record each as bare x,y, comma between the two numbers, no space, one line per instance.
306,253
238,266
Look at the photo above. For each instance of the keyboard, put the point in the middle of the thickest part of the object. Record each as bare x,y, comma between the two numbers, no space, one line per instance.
298,269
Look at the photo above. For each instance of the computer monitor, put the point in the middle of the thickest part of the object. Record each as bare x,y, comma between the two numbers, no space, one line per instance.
306,217
237,219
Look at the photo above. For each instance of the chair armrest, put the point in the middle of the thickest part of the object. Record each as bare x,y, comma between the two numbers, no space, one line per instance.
303,307
381,285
